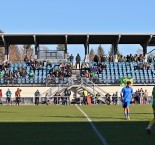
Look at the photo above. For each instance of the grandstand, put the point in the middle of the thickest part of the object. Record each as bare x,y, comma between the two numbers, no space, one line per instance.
109,76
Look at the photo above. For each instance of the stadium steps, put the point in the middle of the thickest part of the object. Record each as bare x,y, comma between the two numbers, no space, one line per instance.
93,89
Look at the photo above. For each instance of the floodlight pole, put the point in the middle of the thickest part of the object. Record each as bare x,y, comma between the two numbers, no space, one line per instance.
6,45
144,45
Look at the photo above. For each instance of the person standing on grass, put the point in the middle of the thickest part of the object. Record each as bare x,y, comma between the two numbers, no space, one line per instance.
85,94
17,96
126,95
8,96
67,94
46,98
152,122
37,95
145,97
1,95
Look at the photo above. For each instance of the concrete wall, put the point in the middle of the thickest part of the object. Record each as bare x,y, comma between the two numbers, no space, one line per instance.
27,91
114,89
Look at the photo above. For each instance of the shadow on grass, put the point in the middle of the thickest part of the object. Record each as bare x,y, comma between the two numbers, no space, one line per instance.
74,133
103,117
7,112
141,113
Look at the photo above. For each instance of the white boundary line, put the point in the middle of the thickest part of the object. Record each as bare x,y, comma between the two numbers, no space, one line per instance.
103,140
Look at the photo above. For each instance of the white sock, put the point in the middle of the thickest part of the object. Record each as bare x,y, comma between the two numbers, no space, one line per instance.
149,127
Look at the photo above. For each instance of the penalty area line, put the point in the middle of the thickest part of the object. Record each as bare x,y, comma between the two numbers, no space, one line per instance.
102,139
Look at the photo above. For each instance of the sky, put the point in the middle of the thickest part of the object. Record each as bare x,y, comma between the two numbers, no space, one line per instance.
79,16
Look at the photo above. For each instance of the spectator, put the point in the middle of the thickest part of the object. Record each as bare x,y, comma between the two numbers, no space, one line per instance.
92,75
71,58
96,59
141,95
108,99
150,59
8,96
114,99
88,99
56,99
1,75
45,99
1,95
67,94
145,97
85,94
32,74
78,60
97,98
103,58
37,95
26,59
48,79
87,74
136,97
48,63
110,58
17,96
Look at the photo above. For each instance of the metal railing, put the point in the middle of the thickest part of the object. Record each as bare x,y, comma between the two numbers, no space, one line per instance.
33,81
59,99
65,80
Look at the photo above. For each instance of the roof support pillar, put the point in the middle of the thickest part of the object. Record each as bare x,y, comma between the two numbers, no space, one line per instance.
86,45
115,48
86,54
88,49
66,53
6,45
145,53
145,47
6,53
36,51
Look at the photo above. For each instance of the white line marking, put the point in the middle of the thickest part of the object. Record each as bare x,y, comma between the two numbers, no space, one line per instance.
103,140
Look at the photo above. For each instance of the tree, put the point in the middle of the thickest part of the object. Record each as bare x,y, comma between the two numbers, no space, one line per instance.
28,50
100,51
91,54
60,47
139,51
14,53
110,51
2,51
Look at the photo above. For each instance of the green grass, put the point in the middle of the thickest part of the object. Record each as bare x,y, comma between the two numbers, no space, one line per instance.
65,125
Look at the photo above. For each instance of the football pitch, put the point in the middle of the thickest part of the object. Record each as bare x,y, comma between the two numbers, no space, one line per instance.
66,125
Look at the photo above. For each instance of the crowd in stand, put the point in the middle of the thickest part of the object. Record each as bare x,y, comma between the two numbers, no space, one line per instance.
64,68
61,70
121,58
